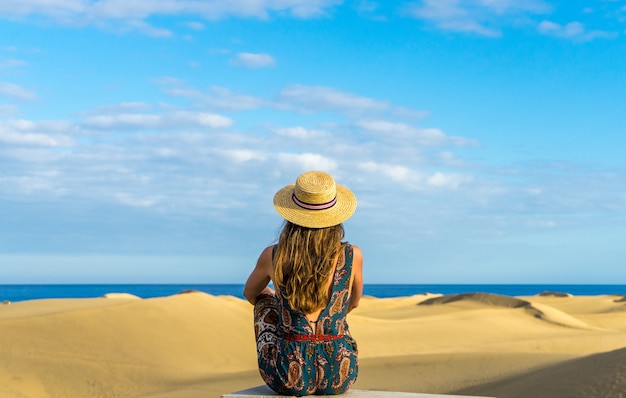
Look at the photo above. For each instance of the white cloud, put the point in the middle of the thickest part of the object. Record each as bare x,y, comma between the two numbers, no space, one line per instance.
16,92
25,132
11,63
542,223
534,191
101,12
414,179
410,113
124,107
244,155
54,8
13,137
31,184
42,156
224,98
314,98
185,175
404,131
208,9
176,90
132,200
366,6
312,8
397,173
127,120
301,133
172,120
447,180
303,98
217,97
195,25
410,134
7,109
306,161
253,60
190,118
482,17
511,6
148,29
448,158
573,30
449,15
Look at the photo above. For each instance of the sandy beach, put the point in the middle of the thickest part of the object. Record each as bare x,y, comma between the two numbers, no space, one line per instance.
197,345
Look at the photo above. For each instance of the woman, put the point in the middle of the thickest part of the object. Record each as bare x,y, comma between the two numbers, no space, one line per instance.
303,343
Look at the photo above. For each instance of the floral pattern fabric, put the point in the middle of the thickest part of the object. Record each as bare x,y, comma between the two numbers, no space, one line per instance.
308,367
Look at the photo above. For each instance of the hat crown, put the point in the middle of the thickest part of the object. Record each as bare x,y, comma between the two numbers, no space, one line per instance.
315,187
315,201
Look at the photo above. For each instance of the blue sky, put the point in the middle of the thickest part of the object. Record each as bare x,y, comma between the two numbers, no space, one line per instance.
143,142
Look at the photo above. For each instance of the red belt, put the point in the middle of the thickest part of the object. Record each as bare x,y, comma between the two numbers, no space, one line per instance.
312,337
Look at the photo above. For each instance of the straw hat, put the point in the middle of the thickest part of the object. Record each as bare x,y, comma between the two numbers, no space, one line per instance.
315,201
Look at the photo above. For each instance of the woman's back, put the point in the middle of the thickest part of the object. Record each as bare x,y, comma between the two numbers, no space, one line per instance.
329,319
310,358
303,343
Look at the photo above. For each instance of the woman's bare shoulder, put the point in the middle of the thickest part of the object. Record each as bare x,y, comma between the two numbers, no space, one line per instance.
356,249
267,253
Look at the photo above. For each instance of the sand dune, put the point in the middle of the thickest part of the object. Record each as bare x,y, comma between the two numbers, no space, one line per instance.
122,347
540,311
599,375
198,345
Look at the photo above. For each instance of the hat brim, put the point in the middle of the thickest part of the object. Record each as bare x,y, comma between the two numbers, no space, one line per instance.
290,211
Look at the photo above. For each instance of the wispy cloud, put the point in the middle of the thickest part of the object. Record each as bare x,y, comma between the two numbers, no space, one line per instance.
319,98
81,12
244,155
8,109
215,97
137,154
306,161
147,29
170,120
397,173
53,8
411,134
25,132
180,160
574,31
195,25
482,17
415,178
131,200
253,60
301,133
448,180
11,63
37,183
16,92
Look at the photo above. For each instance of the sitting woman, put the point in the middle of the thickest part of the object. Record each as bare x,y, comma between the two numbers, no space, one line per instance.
303,343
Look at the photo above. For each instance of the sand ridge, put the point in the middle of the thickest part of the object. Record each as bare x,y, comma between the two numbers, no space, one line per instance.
535,309
198,345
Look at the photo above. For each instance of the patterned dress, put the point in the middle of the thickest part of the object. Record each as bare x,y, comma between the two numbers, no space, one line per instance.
292,367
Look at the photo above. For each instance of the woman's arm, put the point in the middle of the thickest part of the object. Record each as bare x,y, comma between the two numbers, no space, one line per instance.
260,277
357,283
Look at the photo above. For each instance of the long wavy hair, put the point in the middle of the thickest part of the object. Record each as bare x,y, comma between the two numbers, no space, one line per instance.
303,262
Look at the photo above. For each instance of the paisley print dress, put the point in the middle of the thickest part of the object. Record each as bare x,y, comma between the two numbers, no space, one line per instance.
293,367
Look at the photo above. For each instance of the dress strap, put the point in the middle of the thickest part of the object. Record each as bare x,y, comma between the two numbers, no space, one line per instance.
343,269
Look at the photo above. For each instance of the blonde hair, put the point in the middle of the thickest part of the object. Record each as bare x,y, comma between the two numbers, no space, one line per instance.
303,262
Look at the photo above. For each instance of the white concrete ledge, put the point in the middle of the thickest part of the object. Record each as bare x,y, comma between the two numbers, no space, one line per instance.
266,392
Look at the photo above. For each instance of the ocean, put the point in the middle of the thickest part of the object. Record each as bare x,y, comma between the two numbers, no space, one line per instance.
15,293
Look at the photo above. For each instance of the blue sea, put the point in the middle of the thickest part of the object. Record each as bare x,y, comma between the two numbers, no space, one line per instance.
31,292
